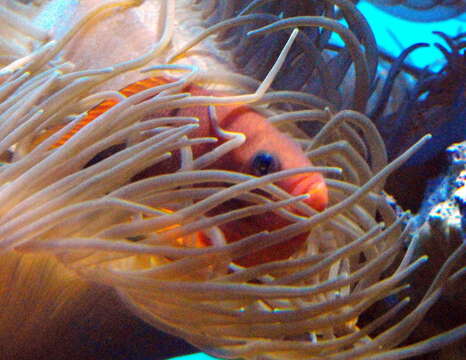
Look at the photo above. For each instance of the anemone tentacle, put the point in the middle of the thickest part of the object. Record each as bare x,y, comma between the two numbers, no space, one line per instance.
86,229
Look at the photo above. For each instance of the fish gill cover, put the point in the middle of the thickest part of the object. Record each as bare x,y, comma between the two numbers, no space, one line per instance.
87,232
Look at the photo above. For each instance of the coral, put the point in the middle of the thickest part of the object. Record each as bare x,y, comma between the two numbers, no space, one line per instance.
439,228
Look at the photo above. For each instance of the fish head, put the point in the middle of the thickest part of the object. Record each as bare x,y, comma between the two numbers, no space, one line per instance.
267,150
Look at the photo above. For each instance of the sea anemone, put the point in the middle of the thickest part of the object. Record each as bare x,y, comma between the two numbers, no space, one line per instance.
430,100
434,103
71,233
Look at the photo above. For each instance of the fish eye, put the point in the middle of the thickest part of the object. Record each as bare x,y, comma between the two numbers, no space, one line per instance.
264,163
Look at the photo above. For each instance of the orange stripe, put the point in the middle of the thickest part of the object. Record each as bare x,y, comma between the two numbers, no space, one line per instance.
98,110
141,85
91,115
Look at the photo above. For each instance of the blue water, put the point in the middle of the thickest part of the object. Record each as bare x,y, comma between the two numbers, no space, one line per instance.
394,34
198,356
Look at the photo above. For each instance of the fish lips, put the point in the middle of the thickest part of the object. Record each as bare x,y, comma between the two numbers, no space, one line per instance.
311,184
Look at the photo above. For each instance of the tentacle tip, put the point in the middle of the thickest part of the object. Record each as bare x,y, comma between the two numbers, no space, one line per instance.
427,137
423,259
192,126
338,171
254,32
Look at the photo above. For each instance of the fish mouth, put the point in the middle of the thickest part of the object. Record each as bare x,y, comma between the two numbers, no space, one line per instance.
314,186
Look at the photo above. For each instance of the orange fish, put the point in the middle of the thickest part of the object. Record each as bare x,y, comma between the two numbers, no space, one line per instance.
265,150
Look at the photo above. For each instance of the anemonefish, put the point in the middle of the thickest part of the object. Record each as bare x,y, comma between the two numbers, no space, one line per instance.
265,150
